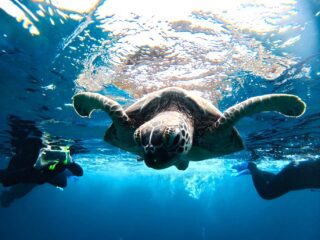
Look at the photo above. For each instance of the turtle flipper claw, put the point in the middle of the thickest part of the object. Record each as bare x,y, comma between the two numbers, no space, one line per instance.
82,104
86,102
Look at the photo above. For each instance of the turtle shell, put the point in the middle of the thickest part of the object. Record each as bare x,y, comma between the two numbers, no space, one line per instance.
197,108
207,141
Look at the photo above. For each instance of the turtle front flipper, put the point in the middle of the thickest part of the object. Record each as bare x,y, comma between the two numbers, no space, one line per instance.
85,103
286,104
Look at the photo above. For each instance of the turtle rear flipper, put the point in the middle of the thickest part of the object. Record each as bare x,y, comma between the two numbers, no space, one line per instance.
286,104
85,103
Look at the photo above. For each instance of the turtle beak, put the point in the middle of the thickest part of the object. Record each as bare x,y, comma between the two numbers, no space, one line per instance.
150,160
158,161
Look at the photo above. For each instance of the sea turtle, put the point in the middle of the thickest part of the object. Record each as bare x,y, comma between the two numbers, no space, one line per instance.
173,126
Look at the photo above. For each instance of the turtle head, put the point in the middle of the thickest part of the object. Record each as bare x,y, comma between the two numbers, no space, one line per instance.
164,139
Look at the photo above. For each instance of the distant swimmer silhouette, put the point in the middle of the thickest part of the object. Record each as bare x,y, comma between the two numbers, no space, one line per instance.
33,164
295,176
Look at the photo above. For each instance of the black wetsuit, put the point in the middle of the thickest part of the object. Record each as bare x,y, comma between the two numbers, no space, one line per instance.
295,176
20,175
55,177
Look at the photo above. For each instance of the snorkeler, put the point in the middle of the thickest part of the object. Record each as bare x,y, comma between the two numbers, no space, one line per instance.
33,164
49,168
295,176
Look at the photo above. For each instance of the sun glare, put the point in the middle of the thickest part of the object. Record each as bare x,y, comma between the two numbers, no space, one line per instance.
254,14
248,14
79,6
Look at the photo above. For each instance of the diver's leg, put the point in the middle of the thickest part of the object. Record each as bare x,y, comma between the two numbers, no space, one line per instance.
15,192
13,177
268,185
304,174
2,175
9,178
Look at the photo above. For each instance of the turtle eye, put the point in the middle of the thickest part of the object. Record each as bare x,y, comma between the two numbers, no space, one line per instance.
137,137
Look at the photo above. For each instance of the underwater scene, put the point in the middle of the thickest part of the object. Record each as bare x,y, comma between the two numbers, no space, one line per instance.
176,119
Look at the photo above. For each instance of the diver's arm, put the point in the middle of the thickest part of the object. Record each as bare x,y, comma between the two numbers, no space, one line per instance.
76,169
15,192
59,180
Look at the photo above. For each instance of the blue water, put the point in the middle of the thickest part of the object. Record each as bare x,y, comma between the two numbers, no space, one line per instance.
226,58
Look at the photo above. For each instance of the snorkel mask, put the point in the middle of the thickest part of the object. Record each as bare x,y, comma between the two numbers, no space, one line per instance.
49,158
